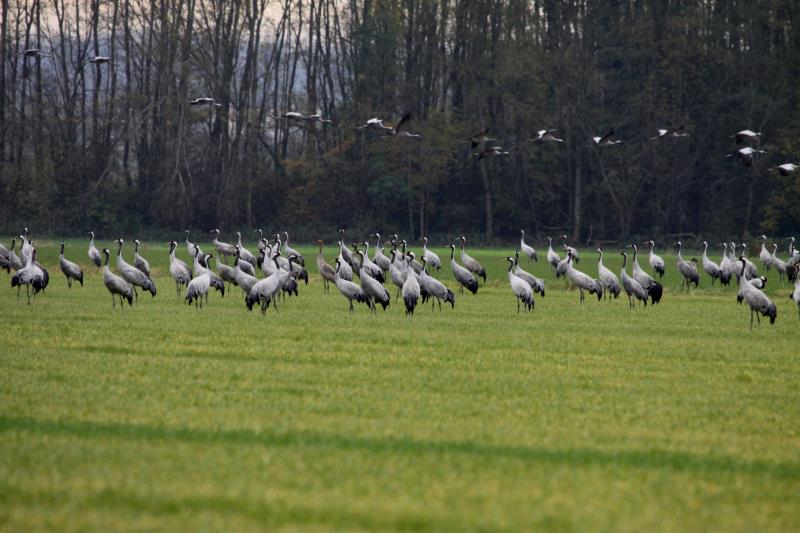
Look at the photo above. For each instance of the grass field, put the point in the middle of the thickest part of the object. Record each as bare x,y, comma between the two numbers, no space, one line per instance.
573,417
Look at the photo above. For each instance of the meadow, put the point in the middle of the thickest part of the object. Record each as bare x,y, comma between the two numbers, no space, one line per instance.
573,417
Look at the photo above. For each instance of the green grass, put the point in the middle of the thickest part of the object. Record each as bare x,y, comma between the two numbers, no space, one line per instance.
573,417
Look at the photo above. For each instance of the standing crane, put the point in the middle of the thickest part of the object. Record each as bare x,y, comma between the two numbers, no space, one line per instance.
94,253
567,248
537,285
778,263
711,268
584,282
116,286
372,288
527,249
411,288
244,254
223,248
463,276
607,279
472,265
70,269
688,270
289,251
430,257
379,258
552,256
758,302
520,287
31,275
764,254
133,275
435,289
654,289
656,262
179,270
138,261
349,290
632,287
326,271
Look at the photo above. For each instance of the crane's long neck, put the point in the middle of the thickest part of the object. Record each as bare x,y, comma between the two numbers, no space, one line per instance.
680,257
624,262
452,253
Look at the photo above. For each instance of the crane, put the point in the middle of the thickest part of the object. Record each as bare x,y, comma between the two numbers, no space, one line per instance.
138,261
654,289
70,269
435,288
758,302
688,270
632,287
537,285
223,248
429,257
521,288
470,263
179,270
325,270
607,279
526,249
584,282
94,253
411,288
116,286
552,256
463,276
656,262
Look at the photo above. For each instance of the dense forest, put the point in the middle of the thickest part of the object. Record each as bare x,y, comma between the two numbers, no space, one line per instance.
116,144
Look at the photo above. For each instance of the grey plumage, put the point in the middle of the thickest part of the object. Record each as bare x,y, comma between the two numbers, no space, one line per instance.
429,257
70,269
223,248
117,286
325,270
607,279
758,302
552,256
537,284
688,270
520,287
138,261
179,270
654,289
411,288
435,289
372,288
94,253
133,275
244,253
632,287
656,261
348,289
584,282
463,276
32,275
711,268
471,264
526,248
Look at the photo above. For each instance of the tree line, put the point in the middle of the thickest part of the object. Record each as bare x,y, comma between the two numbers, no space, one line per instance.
117,145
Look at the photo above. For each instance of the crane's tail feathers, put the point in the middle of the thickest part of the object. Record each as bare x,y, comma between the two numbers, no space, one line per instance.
772,312
655,291
97,261
450,297
472,286
660,271
80,278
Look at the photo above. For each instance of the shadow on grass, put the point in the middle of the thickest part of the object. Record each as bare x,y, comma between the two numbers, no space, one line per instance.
654,459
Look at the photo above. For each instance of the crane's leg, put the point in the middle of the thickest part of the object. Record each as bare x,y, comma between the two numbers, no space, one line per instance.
582,296
440,305
351,307
113,303
758,317
28,293
178,288
751,318
517,304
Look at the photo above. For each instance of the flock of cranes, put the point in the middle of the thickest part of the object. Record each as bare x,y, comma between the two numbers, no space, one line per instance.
282,268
